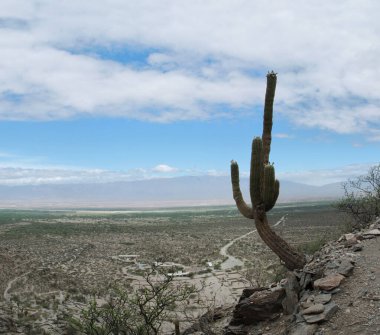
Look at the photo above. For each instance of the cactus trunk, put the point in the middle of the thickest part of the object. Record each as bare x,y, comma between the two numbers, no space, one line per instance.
264,187
292,259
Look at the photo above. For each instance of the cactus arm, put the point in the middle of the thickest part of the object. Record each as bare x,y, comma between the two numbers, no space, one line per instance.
243,208
257,172
276,192
268,187
268,114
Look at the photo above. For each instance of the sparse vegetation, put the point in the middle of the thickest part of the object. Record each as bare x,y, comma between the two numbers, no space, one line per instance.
57,270
140,311
362,197
312,246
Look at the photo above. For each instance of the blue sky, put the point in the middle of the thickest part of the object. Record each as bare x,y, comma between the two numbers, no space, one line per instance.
95,92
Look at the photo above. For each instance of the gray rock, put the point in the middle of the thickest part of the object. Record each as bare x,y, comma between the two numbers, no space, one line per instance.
351,242
357,248
314,309
375,232
303,329
329,310
247,292
305,295
368,237
261,305
332,265
345,268
334,291
307,304
322,298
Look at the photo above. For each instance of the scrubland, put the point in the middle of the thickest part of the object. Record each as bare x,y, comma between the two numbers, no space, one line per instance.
53,262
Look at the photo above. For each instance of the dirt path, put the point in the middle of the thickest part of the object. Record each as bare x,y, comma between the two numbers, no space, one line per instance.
232,261
281,221
7,296
359,300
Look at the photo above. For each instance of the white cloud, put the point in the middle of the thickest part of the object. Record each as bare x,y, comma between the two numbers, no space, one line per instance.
51,175
18,175
199,56
24,170
216,173
26,176
321,177
163,168
282,135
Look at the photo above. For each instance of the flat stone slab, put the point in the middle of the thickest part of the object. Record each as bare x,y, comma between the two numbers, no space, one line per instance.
314,309
322,298
329,311
375,232
329,283
306,304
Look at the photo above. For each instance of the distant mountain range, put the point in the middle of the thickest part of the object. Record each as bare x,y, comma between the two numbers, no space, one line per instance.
180,191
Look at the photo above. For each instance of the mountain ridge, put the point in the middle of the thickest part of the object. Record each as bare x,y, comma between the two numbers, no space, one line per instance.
178,191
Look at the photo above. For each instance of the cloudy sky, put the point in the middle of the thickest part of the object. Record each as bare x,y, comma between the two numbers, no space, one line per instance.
122,90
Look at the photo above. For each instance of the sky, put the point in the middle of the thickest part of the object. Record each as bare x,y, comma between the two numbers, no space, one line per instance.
107,91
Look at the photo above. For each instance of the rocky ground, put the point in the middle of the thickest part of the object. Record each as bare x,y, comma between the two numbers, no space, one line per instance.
359,300
338,292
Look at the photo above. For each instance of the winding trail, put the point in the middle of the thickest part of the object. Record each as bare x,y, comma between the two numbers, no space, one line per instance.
7,296
232,261
281,221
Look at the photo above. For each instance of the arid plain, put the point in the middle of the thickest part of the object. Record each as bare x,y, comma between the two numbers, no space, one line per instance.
53,262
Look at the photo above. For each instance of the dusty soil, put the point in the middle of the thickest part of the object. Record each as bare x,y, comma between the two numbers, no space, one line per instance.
359,300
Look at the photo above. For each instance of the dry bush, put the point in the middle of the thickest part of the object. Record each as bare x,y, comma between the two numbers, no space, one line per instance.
362,198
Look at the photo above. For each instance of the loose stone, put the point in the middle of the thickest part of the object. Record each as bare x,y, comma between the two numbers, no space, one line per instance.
329,283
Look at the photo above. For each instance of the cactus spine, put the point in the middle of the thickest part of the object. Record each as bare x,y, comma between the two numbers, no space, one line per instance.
264,187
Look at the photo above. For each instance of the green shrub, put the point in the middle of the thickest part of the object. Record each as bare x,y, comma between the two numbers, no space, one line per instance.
313,246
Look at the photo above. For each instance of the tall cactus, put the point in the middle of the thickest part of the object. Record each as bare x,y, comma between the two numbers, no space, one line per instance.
264,187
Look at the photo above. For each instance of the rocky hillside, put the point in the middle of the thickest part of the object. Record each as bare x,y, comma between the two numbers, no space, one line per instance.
337,293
